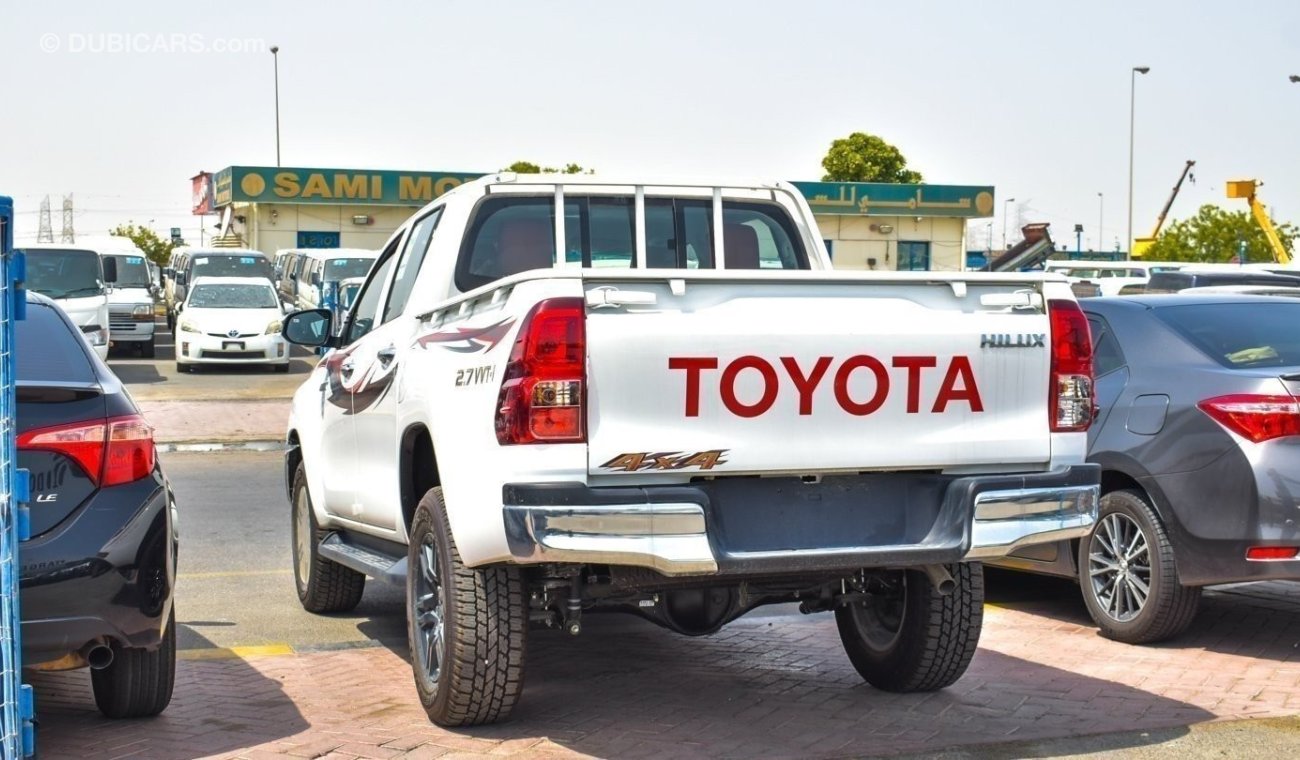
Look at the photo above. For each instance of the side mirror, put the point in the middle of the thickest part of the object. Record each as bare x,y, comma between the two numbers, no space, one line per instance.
312,327
110,270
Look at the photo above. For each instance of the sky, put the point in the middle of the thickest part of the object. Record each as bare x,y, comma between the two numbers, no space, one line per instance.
120,104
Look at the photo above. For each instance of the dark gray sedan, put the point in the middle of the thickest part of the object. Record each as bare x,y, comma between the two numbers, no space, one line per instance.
1198,436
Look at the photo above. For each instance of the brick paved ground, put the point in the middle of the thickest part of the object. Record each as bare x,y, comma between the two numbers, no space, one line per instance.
774,687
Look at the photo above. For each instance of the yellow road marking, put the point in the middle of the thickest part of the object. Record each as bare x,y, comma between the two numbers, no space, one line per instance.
235,574
235,653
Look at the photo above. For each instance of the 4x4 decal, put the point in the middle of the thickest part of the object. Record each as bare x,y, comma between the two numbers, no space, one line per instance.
468,340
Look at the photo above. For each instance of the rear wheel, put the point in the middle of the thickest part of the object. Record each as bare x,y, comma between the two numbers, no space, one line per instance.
466,626
323,585
138,682
1128,577
912,638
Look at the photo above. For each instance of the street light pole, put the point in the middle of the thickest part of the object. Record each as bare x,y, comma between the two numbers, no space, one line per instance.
1101,216
275,54
1132,103
1005,203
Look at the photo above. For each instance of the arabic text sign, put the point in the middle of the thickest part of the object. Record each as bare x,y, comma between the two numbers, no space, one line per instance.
267,184
881,199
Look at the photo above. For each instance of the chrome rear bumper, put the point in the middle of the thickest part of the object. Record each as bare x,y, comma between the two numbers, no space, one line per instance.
783,526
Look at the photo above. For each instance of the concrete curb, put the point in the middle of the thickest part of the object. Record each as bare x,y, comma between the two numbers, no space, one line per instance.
168,448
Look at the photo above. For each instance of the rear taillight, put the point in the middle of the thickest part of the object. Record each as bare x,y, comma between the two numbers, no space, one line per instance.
1070,402
1256,418
542,397
113,451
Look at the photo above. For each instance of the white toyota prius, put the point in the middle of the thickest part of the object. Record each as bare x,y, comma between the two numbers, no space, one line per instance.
231,320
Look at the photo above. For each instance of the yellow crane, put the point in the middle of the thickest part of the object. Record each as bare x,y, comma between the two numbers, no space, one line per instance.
1245,188
1140,245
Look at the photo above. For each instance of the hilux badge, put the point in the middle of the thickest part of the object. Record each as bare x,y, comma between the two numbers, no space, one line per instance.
1013,340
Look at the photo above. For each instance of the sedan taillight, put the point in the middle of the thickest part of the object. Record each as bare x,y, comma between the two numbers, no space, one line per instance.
113,451
1069,397
1255,417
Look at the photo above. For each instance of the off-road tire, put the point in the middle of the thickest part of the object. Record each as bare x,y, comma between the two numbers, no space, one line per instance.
1170,606
485,618
138,683
328,586
935,638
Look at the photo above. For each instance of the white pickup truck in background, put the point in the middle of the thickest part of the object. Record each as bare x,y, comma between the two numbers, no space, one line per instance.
558,396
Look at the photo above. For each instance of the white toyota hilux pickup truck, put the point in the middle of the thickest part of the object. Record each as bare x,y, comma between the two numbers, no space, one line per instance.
561,395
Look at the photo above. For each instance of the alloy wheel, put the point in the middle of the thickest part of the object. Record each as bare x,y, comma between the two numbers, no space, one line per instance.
427,611
302,536
1119,566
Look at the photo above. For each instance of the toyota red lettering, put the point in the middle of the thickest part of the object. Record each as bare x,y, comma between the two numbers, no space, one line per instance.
958,383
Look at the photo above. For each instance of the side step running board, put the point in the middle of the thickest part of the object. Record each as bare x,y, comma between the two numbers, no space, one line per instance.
363,559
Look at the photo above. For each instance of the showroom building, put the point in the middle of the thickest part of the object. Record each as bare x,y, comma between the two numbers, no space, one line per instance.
866,225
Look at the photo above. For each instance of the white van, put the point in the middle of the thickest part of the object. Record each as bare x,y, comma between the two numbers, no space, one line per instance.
131,295
324,267
72,277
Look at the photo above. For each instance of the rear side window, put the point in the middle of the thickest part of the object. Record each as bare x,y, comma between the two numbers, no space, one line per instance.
1106,356
516,234
48,349
1255,334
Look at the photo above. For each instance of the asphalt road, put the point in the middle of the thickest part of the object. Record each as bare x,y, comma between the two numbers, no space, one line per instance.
157,378
235,583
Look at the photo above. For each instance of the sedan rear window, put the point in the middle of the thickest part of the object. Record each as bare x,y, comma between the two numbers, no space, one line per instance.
1256,334
49,350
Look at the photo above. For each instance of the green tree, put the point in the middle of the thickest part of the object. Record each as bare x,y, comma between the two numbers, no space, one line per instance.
1216,235
528,167
157,249
861,157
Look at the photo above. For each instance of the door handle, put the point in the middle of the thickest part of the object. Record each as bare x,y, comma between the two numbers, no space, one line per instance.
345,369
386,355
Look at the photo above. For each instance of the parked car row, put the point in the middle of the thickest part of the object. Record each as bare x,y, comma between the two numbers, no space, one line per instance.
106,289
309,278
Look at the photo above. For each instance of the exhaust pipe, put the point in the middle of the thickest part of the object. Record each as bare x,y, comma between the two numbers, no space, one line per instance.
941,579
97,656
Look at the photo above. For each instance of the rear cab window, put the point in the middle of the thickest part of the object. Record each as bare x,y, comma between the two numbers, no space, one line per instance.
1239,335
513,234
48,350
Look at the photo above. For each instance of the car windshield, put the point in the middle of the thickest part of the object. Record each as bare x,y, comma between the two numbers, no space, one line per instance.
342,269
1239,335
231,266
132,272
231,296
64,274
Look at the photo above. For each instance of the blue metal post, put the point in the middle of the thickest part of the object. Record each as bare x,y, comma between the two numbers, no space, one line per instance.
17,734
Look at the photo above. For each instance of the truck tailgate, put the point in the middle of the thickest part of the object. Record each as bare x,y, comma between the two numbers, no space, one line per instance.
797,375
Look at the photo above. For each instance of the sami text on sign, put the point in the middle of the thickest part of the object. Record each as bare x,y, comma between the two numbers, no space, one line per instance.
267,184
882,199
